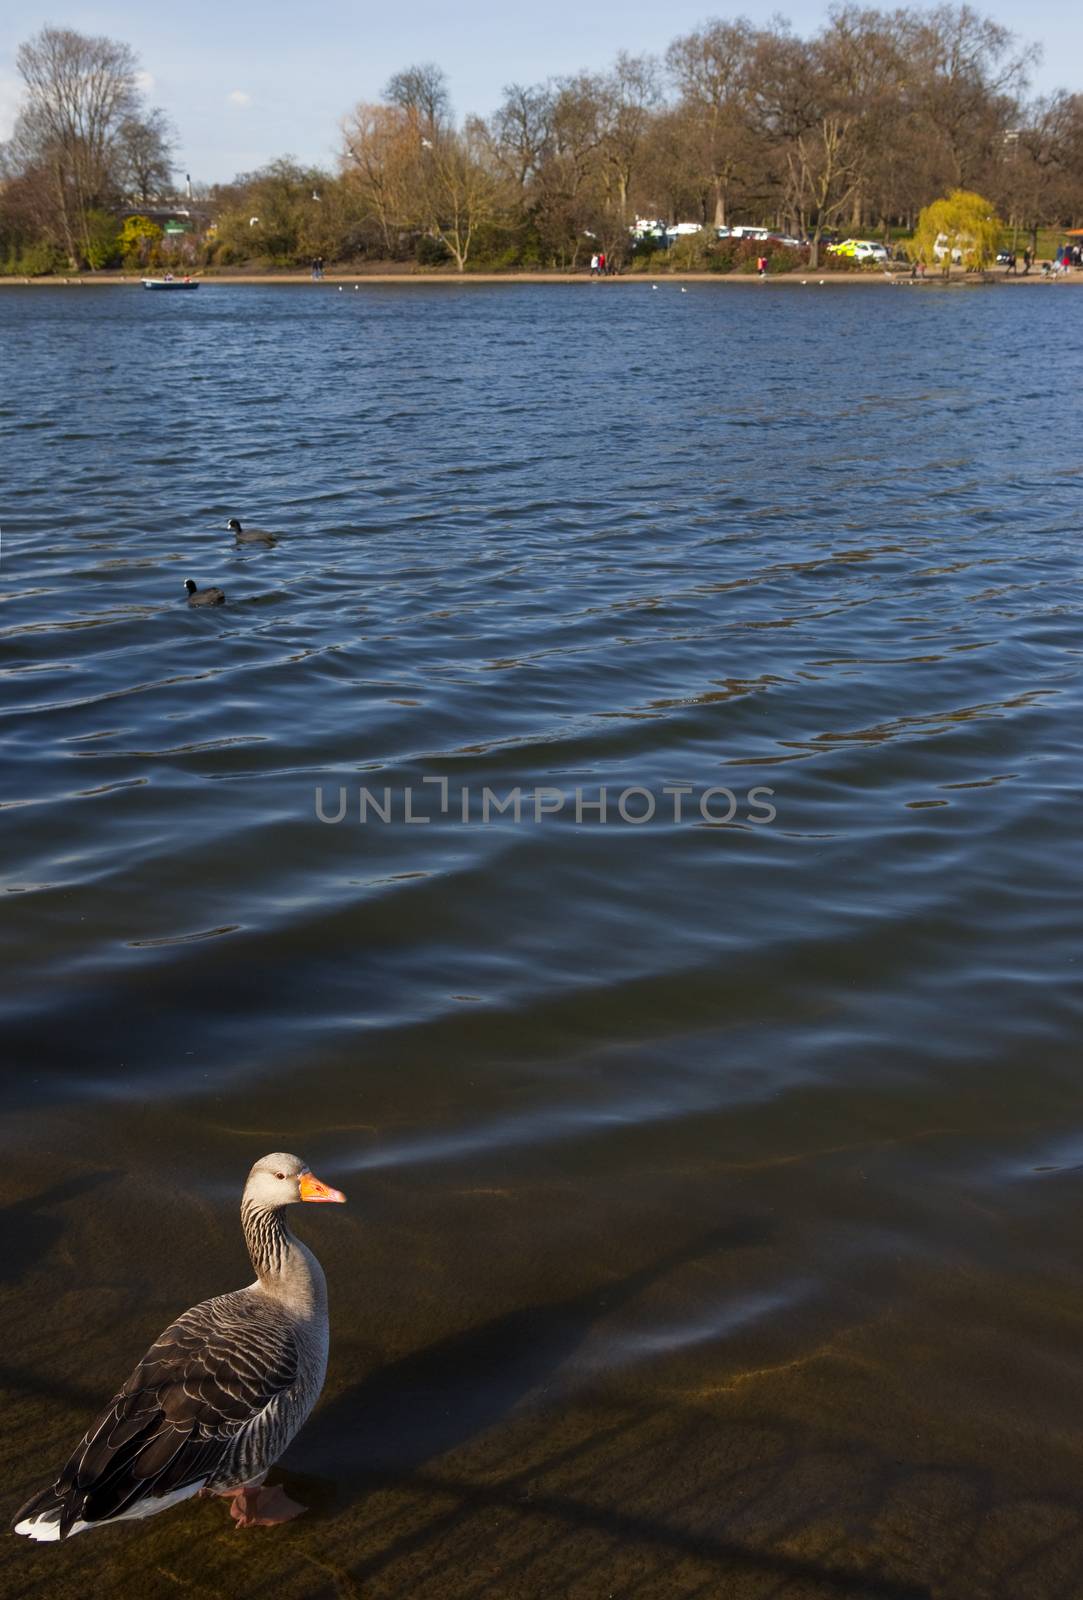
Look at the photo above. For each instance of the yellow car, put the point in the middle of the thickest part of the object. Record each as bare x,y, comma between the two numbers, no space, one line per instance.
860,249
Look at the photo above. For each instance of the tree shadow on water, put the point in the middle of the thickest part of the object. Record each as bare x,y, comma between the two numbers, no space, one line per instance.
387,1431
422,1407
29,1230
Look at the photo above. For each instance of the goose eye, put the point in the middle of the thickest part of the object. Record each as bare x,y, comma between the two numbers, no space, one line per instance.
280,1174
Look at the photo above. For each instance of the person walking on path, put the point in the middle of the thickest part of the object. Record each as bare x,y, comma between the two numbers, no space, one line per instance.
601,263
761,266
1026,262
594,265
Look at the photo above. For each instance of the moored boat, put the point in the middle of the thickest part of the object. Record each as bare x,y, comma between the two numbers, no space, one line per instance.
170,283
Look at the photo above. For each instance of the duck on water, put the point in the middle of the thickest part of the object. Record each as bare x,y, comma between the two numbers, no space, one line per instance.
218,1396
203,597
250,535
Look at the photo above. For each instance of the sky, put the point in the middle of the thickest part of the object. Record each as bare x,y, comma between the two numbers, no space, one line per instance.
245,82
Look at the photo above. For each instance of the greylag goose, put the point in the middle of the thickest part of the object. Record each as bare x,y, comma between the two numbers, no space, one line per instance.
218,1397
203,597
250,535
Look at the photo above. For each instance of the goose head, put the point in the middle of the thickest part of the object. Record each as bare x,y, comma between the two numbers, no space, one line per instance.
280,1180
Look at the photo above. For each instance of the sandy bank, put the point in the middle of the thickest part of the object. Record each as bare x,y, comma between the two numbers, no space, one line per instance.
810,278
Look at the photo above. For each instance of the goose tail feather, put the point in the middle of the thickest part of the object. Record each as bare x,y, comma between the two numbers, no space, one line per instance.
49,1516
42,1517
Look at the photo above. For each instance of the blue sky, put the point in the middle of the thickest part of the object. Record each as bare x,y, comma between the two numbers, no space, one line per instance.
244,82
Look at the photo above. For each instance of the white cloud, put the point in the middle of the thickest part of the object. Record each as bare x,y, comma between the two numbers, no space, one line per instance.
145,81
238,97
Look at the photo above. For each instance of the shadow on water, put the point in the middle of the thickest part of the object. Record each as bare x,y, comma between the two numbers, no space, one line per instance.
433,1400
386,1433
30,1232
729,1557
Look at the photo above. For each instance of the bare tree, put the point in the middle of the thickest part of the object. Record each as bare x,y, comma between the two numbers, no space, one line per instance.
826,164
632,94
423,92
710,68
1042,161
862,66
455,193
966,77
80,92
381,148
569,193
521,132
144,156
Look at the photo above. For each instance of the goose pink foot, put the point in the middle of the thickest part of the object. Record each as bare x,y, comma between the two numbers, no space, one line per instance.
263,1508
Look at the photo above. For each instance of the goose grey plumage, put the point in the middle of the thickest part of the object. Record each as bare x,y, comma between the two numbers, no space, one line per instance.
203,597
219,1395
250,535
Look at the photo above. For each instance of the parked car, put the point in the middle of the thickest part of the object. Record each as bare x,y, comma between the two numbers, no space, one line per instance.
759,235
647,228
860,250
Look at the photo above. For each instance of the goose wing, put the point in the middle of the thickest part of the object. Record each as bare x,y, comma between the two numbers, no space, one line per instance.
206,1378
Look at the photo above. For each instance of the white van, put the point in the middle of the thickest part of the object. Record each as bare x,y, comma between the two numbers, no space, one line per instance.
940,250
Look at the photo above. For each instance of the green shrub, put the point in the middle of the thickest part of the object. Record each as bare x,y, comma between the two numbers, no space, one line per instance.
430,252
644,249
40,259
504,247
689,253
224,253
102,240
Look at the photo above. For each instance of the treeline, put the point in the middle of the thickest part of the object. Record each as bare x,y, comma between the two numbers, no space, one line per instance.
84,143
856,128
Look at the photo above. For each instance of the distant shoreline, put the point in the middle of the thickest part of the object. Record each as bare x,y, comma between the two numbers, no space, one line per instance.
382,279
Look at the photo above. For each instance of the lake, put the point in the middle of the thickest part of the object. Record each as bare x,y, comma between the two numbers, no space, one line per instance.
715,1165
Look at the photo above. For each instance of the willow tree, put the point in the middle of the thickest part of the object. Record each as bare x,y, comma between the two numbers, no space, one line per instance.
963,224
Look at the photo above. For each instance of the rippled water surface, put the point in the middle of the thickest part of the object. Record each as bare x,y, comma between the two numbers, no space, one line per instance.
716,1184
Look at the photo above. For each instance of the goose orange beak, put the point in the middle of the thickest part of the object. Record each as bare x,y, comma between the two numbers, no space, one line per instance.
313,1189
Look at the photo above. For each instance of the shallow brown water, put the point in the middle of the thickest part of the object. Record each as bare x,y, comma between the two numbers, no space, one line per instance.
714,1222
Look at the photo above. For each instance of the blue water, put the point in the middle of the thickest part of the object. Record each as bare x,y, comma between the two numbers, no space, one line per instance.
788,1087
